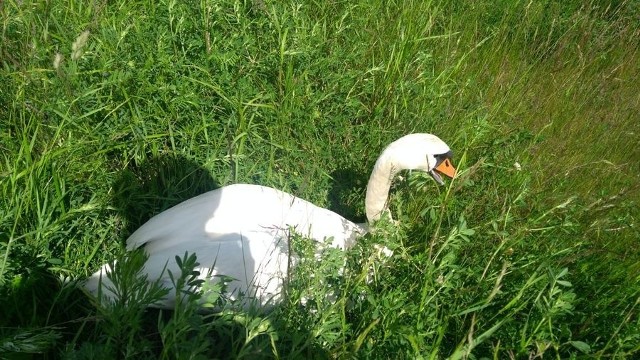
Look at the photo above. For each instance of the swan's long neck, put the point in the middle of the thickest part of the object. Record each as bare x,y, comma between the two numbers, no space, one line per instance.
379,185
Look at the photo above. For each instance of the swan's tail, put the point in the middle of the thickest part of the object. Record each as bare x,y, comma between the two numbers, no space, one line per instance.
98,285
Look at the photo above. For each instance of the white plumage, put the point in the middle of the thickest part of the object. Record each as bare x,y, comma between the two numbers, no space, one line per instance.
242,231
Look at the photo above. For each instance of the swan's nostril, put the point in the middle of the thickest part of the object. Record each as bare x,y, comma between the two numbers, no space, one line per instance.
446,167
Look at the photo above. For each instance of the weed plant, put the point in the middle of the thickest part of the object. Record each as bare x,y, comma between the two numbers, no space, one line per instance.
113,111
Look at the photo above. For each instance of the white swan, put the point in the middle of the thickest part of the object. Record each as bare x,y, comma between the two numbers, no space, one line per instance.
242,231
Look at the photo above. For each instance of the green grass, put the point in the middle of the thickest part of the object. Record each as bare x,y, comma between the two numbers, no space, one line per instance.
161,100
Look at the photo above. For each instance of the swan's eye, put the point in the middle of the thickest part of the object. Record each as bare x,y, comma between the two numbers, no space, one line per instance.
442,157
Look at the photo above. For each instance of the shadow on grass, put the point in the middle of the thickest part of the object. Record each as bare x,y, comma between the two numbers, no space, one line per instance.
142,191
37,309
347,194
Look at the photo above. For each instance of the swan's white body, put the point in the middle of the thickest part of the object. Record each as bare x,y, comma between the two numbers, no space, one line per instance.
241,231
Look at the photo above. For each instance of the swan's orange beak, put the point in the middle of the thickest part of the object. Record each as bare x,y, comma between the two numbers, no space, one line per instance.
446,168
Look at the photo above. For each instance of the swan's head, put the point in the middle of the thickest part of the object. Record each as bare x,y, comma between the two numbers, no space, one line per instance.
425,152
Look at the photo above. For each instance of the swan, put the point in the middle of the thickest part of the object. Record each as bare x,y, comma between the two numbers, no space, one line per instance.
241,231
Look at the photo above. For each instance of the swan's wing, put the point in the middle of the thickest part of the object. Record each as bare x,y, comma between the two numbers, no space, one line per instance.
241,208
178,222
254,266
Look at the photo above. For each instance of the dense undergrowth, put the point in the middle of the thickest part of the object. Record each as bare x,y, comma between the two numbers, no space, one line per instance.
111,112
